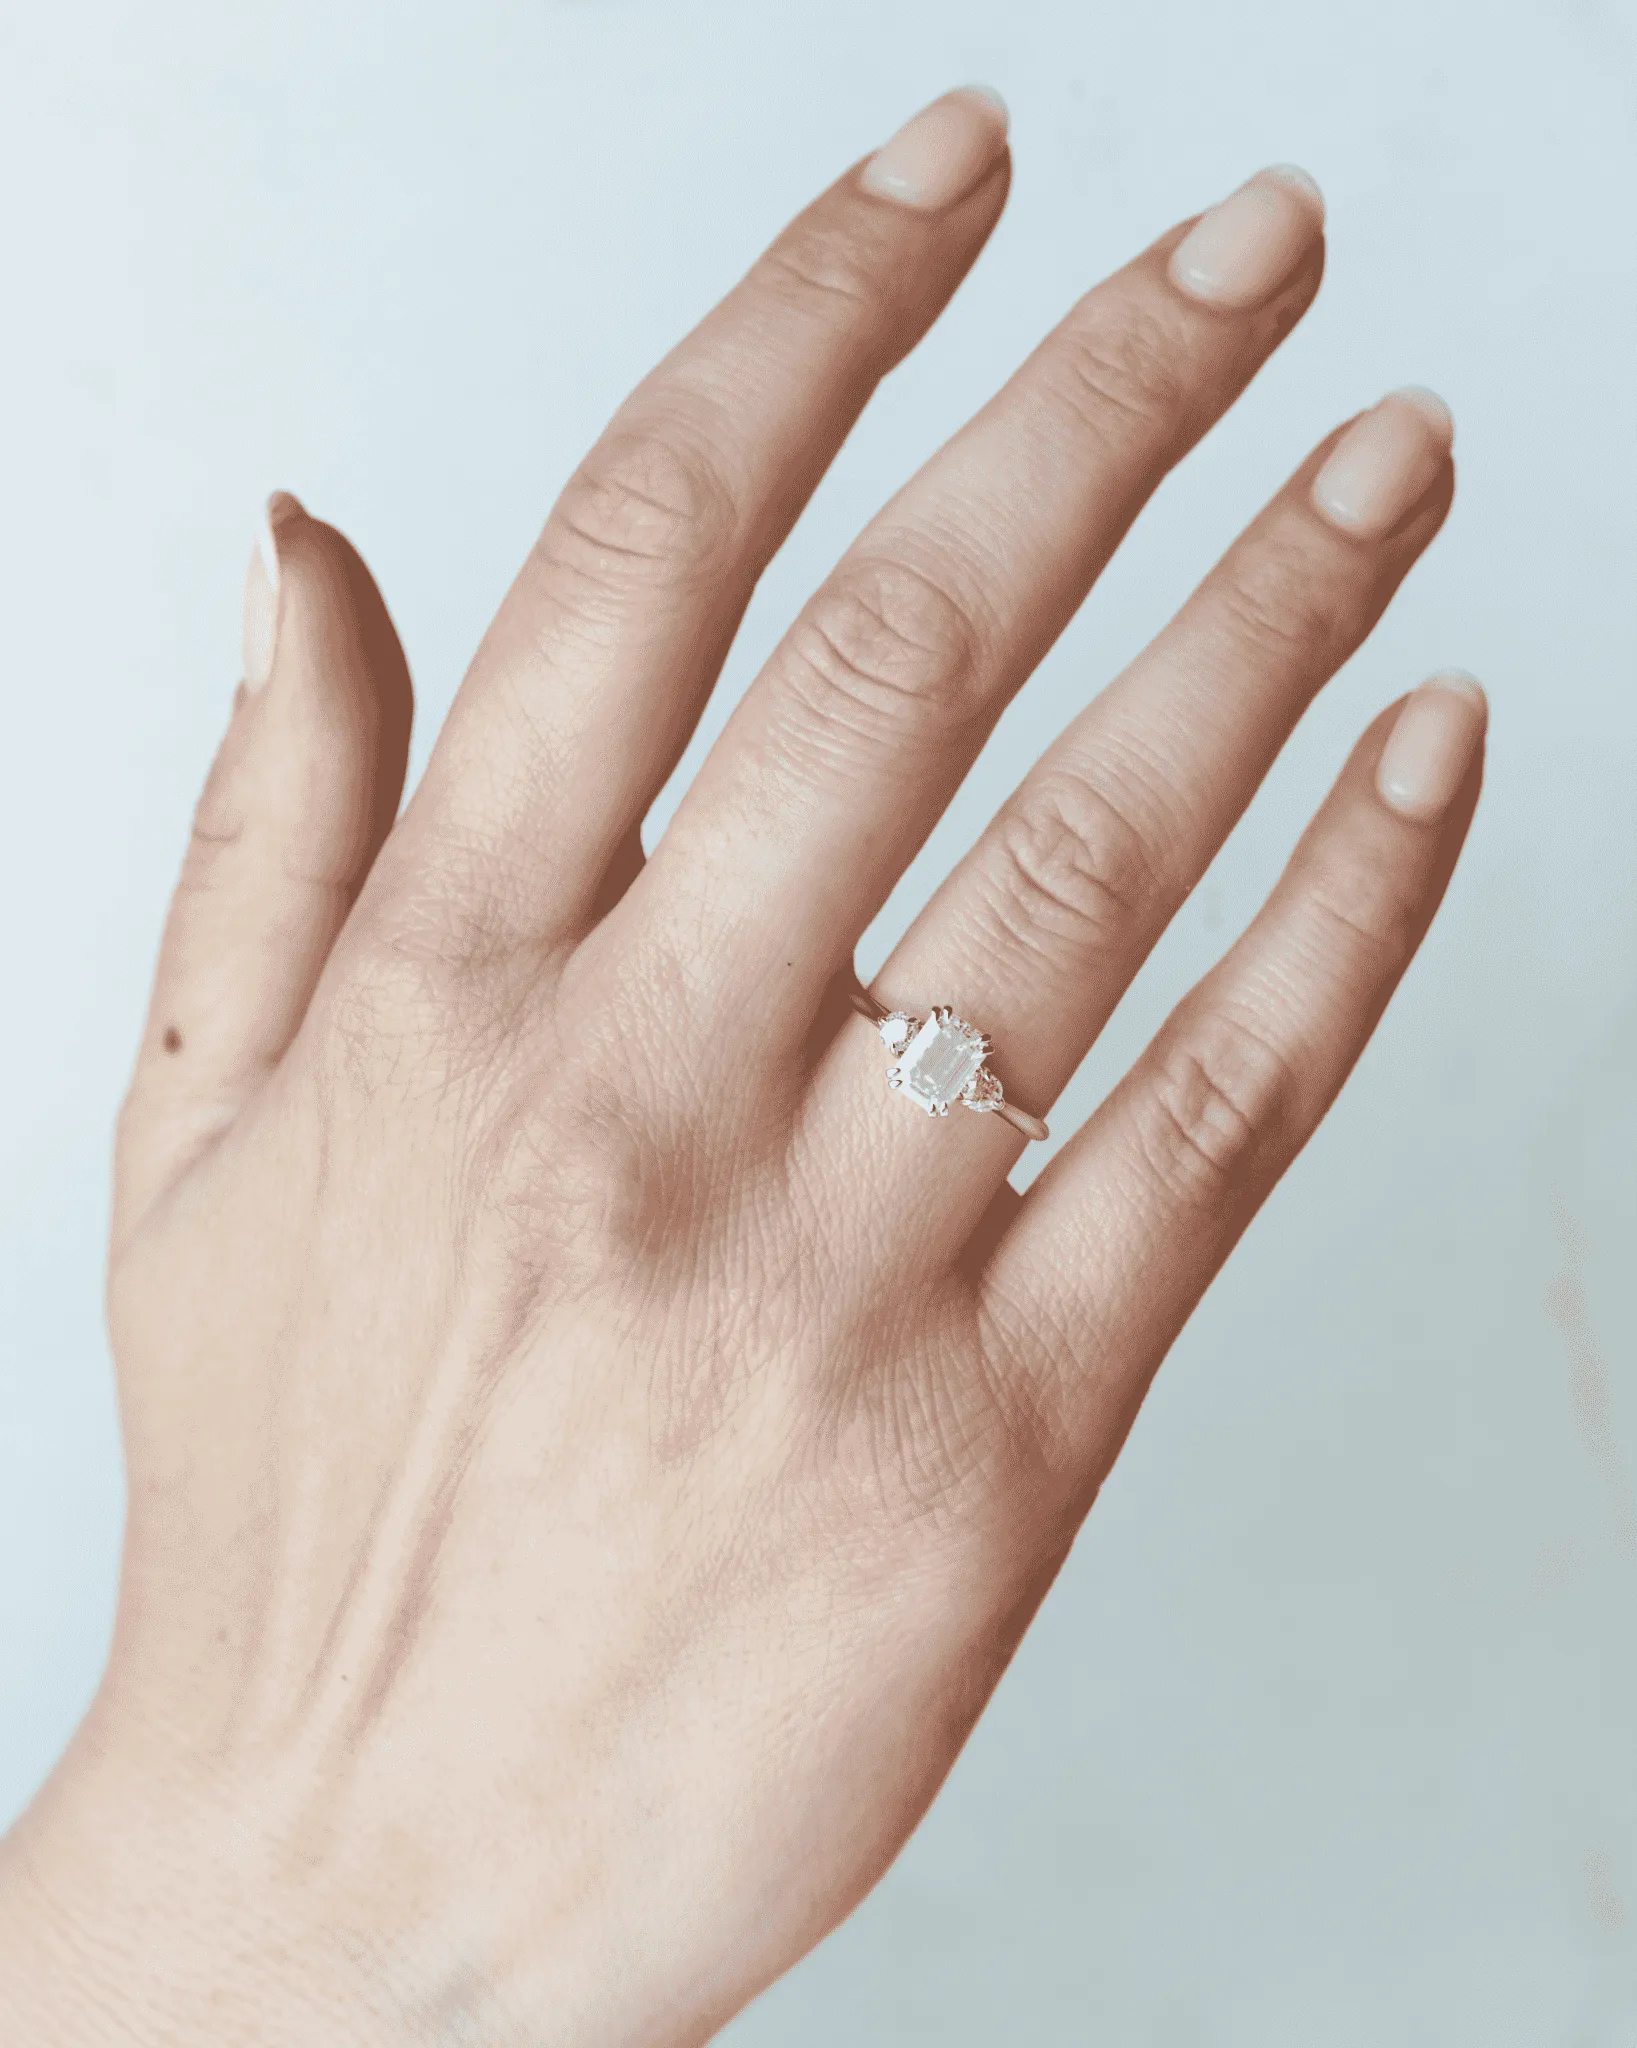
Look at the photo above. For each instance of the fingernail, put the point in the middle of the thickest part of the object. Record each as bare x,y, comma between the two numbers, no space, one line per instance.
1244,249
1430,749
1386,462
261,590
939,156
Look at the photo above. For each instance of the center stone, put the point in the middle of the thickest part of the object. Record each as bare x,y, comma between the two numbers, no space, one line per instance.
939,1061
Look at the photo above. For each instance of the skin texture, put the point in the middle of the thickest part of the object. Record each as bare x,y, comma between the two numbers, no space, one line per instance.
580,1495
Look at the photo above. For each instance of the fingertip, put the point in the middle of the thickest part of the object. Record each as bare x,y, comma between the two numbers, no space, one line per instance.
1464,683
941,153
263,588
1434,409
284,505
994,101
1385,464
1435,739
341,667
1300,181
1253,245
298,802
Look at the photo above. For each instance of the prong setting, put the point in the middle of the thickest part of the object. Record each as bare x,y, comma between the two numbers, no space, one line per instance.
941,1059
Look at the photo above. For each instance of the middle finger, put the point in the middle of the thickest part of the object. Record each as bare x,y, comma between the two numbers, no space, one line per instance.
852,740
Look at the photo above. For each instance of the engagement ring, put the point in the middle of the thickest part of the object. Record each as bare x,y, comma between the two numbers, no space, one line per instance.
939,1060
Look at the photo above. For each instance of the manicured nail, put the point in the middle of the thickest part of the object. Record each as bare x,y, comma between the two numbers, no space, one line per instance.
1430,749
1386,462
943,152
1243,250
261,590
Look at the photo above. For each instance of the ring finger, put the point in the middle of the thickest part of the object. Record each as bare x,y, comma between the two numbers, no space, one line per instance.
1038,932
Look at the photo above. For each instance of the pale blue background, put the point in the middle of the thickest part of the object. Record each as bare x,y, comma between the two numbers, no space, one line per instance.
1329,1733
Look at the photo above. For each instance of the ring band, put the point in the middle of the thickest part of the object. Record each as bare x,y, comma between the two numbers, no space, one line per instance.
939,1060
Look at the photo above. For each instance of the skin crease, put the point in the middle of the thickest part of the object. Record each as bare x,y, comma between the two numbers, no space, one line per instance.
580,1497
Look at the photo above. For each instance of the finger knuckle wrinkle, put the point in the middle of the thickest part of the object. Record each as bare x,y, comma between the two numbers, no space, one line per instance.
1363,913
884,646
1076,873
1124,365
1276,602
423,953
219,829
1219,1096
811,268
644,506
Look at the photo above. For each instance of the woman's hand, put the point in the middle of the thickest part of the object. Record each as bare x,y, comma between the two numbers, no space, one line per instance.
592,1447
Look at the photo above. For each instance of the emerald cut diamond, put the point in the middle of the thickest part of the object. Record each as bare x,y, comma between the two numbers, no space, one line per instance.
940,1065
940,1060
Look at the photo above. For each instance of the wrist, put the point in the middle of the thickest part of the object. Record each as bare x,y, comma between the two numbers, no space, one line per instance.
146,1905
134,1911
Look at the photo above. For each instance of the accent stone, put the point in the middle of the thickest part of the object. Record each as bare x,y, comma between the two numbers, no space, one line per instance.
986,1092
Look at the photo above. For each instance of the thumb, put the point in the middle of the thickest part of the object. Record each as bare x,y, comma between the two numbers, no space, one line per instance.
301,796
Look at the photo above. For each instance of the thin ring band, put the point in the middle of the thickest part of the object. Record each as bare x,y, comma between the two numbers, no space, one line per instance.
961,1076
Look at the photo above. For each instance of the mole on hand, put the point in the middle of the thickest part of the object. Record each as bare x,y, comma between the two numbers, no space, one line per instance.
173,1039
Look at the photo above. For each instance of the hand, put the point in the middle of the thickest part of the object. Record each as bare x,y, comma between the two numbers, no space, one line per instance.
592,1448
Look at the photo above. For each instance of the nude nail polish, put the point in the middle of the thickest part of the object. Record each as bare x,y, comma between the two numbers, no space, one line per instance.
939,155
1241,252
1430,749
261,590
1386,462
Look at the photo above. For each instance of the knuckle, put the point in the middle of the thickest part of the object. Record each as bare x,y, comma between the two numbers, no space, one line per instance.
1072,870
1036,1355
418,938
422,967
949,1446
220,818
812,267
594,1189
1122,365
884,646
212,843
1366,914
1218,1097
234,844
1276,601
647,505
937,1443
393,995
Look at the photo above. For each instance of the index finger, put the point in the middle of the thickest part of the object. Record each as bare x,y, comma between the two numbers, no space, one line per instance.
602,655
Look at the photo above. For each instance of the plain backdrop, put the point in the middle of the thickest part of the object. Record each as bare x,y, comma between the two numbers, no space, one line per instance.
1328,1734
